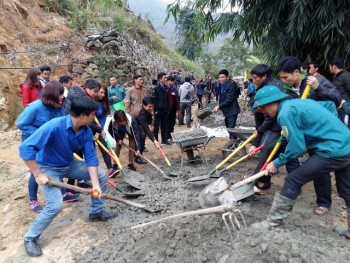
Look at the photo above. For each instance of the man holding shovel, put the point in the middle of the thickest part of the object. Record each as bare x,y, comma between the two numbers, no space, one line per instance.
327,139
48,153
228,103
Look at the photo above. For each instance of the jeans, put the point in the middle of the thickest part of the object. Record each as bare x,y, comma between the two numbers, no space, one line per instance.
317,166
161,119
230,122
53,195
185,106
33,186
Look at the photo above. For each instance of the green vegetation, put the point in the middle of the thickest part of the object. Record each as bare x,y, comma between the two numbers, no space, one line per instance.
311,30
106,14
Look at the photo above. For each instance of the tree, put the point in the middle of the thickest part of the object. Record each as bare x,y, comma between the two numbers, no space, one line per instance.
236,56
189,33
309,29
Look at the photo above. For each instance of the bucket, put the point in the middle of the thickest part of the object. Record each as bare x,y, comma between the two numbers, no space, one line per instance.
119,106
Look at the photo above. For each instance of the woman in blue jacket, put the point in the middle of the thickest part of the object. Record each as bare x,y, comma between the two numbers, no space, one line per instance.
35,115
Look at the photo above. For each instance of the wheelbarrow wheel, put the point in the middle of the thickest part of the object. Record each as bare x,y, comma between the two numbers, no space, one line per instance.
230,146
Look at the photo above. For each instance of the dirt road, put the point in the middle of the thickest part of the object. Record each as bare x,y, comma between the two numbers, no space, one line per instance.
305,237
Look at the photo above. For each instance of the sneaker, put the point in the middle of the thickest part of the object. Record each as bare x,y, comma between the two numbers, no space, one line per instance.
32,248
113,173
140,160
132,166
84,184
35,207
70,197
166,143
102,216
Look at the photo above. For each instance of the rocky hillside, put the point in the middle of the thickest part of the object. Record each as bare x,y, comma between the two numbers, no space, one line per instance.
30,36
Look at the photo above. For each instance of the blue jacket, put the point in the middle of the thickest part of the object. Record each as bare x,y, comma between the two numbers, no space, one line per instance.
35,115
101,114
54,143
228,103
313,127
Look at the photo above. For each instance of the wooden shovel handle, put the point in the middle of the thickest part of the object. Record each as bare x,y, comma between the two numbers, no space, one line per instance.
148,160
89,192
235,151
248,180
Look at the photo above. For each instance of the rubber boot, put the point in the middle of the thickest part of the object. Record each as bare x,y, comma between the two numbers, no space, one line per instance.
341,230
280,210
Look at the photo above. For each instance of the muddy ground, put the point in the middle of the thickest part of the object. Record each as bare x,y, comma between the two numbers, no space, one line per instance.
305,237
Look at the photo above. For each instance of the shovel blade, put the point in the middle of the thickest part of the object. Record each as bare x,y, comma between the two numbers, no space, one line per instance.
209,196
204,115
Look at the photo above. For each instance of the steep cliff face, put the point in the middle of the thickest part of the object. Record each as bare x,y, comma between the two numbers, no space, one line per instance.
25,27
32,36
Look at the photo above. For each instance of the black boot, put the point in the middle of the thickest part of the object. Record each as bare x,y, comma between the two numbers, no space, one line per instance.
280,210
102,216
341,230
32,248
140,160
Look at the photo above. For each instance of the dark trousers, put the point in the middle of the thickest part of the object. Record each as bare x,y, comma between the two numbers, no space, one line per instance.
269,140
171,122
160,119
323,189
106,158
185,106
312,169
230,122
142,140
200,97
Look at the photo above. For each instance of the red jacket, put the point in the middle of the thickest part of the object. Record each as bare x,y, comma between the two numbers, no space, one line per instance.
30,94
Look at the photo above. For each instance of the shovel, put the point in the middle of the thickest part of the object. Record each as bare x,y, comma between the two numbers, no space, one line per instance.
221,192
204,177
113,185
132,178
306,92
204,112
129,178
106,196
126,194
201,178
172,171
151,163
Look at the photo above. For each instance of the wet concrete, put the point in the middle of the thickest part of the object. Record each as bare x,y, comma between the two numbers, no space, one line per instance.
304,237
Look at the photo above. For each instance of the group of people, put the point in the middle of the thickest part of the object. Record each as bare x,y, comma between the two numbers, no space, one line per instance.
60,120
313,124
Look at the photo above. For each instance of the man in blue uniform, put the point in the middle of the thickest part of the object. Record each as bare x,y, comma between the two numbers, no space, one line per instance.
48,153
326,138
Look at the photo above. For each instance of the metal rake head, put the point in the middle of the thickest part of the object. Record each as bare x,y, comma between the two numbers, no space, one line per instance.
234,223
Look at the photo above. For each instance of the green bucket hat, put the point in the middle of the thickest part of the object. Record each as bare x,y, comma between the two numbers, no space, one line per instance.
268,94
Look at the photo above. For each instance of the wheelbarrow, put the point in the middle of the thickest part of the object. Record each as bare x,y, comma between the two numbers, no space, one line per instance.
242,134
191,141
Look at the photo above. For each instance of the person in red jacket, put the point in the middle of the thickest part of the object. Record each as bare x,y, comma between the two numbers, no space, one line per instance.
31,89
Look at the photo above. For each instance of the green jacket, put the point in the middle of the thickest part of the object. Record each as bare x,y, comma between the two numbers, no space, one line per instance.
308,125
118,91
